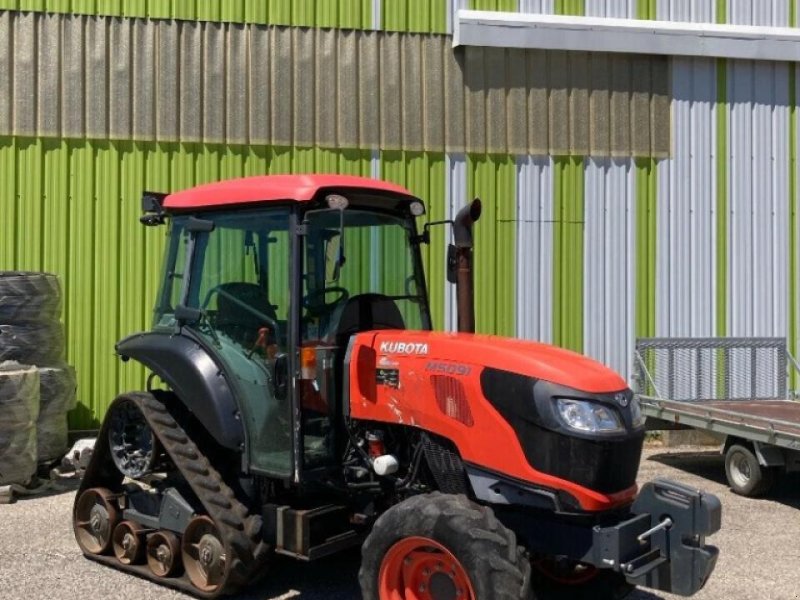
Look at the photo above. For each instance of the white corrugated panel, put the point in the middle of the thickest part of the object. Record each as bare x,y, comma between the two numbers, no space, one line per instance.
685,221
543,7
534,187
619,9
796,350
758,187
686,204
453,7
455,191
693,11
758,146
609,262
759,12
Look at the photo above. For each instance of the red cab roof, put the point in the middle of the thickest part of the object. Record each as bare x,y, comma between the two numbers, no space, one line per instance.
271,188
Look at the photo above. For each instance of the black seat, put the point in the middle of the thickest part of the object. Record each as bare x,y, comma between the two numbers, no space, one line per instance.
367,312
234,319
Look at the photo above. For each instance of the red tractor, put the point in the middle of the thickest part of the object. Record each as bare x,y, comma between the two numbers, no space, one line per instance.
301,404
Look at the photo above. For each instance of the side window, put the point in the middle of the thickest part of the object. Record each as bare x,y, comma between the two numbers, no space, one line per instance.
174,267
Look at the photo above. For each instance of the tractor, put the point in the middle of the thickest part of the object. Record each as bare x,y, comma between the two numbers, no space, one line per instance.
299,403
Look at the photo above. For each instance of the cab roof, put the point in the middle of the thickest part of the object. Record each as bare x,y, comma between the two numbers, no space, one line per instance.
274,188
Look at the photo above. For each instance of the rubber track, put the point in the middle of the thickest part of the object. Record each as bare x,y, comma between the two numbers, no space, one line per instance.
240,531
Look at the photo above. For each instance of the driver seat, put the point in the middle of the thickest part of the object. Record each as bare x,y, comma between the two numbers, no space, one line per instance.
367,312
238,323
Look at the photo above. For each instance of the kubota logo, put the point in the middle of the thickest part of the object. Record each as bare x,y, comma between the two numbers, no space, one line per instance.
404,348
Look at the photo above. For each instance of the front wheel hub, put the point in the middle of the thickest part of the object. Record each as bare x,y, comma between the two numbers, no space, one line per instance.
419,568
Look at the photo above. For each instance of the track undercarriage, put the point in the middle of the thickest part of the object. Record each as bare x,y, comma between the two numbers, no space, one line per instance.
176,521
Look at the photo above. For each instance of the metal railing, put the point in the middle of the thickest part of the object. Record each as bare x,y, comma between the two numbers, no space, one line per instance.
698,369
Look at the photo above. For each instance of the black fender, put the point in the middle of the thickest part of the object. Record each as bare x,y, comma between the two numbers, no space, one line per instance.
191,372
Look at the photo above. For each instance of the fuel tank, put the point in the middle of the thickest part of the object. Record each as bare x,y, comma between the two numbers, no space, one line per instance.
512,408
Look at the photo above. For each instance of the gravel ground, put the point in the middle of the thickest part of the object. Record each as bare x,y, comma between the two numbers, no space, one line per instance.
759,544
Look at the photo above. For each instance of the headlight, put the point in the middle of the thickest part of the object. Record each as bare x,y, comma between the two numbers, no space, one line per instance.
637,416
588,417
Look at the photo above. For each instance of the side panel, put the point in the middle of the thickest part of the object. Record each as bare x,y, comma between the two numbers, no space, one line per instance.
196,379
399,378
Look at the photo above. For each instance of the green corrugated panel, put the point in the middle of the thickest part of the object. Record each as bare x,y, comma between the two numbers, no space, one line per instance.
347,14
646,194
73,209
492,179
423,16
646,9
793,246
568,214
501,5
570,7
722,197
424,175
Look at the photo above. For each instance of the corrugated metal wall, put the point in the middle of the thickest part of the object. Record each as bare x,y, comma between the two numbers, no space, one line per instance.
596,228
101,78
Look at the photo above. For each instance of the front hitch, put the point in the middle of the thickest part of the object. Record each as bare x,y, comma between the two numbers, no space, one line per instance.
663,545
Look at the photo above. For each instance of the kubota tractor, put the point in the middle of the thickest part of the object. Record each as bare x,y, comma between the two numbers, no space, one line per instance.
301,404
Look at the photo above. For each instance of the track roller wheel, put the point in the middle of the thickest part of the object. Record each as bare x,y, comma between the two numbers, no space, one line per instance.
204,554
128,543
163,553
94,519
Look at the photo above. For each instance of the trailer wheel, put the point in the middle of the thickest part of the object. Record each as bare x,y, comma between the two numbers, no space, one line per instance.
745,475
442,547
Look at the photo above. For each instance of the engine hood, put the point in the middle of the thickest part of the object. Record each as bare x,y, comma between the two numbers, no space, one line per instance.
533,359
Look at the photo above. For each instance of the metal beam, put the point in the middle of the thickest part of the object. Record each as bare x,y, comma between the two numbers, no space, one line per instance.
594,34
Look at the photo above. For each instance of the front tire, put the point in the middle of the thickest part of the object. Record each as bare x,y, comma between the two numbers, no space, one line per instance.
445,546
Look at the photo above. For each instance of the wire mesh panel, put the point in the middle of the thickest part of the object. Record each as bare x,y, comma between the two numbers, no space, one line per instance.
695,369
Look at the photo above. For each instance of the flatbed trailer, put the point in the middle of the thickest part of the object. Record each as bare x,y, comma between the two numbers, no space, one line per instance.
734,388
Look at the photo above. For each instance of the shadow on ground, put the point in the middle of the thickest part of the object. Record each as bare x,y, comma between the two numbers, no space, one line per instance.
333,578
711,465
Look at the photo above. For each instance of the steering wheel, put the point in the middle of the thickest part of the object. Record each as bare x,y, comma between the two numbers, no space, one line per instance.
217,289
316,303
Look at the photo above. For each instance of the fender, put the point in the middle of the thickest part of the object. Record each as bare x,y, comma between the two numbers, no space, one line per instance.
194,376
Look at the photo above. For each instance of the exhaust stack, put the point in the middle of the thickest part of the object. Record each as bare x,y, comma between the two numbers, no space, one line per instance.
462,235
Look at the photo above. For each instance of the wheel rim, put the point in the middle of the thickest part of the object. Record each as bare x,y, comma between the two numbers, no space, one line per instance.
740,470
131,441
128,543
419,568
203,554
163,553
94,520
565,573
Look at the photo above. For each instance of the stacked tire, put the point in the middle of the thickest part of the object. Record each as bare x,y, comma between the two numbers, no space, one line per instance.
19,410
31,334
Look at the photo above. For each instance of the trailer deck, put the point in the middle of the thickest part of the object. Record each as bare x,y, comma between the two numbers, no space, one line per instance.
737,388
775,422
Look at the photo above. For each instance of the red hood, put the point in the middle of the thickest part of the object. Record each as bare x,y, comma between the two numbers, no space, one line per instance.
534,359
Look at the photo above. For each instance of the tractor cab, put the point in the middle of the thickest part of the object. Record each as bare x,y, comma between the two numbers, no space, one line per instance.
274,289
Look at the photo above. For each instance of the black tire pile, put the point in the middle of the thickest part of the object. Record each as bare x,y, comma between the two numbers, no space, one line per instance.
19,410
32,334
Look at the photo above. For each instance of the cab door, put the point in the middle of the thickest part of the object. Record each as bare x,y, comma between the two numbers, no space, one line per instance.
240,282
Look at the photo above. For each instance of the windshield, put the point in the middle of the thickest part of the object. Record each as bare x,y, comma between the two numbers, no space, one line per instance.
366,276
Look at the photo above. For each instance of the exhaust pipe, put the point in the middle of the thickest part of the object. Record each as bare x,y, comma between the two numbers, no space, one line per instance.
462,235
